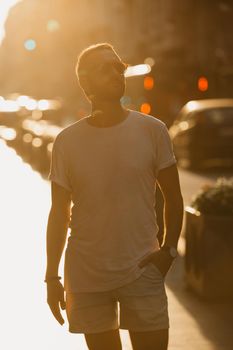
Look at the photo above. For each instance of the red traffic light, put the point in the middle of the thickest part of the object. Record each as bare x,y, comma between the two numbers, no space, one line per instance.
145,108
203,84
148,83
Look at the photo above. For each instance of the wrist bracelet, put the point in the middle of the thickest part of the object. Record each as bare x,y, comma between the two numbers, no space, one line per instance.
49,279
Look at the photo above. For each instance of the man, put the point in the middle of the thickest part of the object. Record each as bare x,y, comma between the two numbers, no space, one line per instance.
107,164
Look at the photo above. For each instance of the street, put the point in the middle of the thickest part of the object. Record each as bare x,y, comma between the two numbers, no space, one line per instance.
26,321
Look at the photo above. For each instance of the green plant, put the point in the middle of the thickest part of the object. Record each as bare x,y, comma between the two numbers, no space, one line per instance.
215,199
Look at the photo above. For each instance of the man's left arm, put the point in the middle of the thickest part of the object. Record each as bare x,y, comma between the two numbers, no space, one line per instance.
168,181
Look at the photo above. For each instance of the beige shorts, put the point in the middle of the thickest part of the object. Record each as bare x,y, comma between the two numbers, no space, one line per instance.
138,306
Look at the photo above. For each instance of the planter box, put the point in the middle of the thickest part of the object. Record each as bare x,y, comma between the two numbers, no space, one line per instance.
209,254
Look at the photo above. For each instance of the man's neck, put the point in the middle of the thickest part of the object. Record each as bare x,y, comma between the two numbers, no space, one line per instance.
106,114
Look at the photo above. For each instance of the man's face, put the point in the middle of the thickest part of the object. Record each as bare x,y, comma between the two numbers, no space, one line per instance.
106,75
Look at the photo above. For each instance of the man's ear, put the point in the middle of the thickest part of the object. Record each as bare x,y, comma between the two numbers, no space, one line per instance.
84,82
86,86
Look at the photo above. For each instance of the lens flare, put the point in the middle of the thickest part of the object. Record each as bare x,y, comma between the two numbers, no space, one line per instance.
30,44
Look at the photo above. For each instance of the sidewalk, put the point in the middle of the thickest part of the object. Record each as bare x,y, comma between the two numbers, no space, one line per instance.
26,321
196,324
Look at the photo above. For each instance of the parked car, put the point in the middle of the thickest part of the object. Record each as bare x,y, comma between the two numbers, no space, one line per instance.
202,134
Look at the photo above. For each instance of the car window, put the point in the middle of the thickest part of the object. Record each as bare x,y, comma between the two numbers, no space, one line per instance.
219,115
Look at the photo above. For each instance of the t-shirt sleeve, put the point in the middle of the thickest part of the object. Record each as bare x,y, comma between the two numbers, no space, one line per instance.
165,155
58,166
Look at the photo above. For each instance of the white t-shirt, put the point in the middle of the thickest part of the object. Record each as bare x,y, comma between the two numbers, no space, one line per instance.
111,173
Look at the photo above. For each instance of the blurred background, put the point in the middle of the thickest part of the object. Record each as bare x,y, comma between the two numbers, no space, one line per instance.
181,71
187,43
178,51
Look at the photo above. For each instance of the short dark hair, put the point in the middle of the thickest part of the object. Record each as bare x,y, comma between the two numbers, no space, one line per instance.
81,67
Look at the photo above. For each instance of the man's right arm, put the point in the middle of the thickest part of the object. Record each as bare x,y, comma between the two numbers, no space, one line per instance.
58,223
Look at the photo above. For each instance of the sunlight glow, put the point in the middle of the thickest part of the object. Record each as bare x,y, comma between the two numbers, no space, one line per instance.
31,104
27,138
150,61
139,69
7,134
37,115
184,125
53,25
43,105
192,105
8,106
5,6
50,147
24,206
41,128
22,100
37,142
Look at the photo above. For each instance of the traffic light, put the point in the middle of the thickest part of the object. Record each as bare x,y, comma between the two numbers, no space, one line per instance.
148,83
145,108
147,105
202,84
